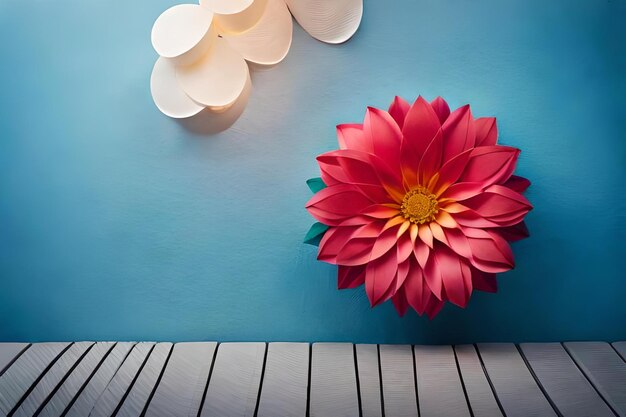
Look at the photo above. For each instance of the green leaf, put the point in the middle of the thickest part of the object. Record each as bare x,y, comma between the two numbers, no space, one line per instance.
315,184
315,233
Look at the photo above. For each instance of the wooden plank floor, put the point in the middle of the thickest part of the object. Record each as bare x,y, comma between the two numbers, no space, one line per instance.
321,380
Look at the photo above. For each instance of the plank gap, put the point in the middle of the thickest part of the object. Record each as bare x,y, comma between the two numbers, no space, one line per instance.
582,371
417,398
358,383
80,390
132,383
3,370
308,387
37,380
493,389
208,379
258,396
158,381
380,381
458,369
537,381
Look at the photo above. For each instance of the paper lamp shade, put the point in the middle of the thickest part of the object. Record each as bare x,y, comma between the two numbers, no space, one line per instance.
235,16
167,94
206,46
330,21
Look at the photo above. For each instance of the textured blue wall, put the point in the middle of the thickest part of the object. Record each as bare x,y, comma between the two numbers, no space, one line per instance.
119,223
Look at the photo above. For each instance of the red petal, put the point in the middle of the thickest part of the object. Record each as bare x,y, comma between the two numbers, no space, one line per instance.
403,271
459,132
463,190
433,307
415,289
442,109
486,131
405,248
498,201
350,136
398,110
457,241
451,171
334,239
432,276
425,235
484,281
490,164
490,252
400,302
350,276
519,184
431,161
380,275
385,135
337,202
385,242
420,126
358,168
451,275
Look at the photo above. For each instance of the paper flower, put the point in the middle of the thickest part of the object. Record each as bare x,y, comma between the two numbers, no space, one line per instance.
204,47
418,204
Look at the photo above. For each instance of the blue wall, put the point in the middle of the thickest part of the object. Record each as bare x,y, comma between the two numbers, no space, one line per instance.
119,223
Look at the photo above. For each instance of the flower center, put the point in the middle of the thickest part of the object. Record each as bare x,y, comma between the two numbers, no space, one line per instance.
419,206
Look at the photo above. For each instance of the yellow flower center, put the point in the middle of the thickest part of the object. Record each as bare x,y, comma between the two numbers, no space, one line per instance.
419,206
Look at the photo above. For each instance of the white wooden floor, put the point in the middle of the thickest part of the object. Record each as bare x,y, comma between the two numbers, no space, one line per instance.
586,379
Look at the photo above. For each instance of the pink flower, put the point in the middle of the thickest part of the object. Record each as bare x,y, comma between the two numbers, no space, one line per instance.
420,205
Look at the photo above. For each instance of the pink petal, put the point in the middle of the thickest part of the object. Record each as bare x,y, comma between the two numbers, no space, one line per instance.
398,110
490,164
415,289
470,218
340,200
403,271
459,133
425,235
515,183
431,161
350,136
358,168
457,241
400,302
437,232
333,240
380,277
462,190
405,248
433,307
354,252
498,200
490,252
384,243
380,128
486,131
350,276
484,281
432,276
451,171
451,275
420,126
441,108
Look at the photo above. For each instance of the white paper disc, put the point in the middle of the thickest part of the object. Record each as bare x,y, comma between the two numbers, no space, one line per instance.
330,21
183,33
167,94
217,79
268,42
235,16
